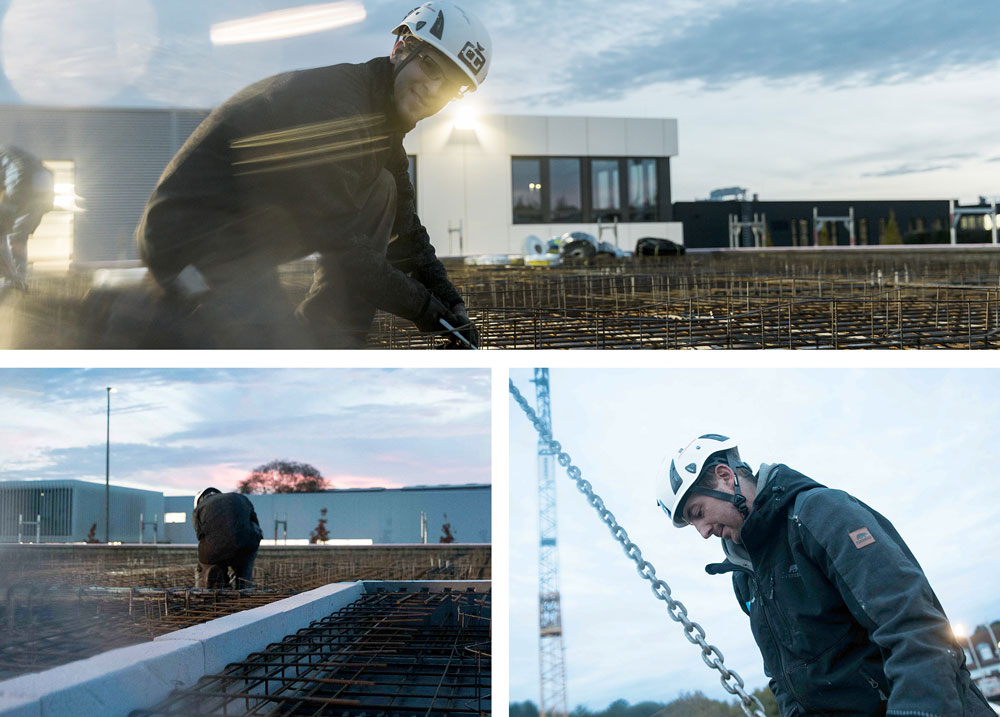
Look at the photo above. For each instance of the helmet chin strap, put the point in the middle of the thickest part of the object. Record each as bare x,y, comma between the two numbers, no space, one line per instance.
736,497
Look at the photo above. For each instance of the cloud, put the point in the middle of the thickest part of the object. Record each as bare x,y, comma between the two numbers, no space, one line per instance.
839,42
909,169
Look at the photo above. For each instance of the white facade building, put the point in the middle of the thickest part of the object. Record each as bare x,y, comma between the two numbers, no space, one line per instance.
470,178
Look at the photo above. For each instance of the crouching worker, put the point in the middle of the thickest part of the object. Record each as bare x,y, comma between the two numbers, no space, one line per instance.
26,194
228,536
311,161
843,615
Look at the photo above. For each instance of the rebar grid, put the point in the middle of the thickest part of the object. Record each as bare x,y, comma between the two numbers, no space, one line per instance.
390,653
733,301
63,604
709,299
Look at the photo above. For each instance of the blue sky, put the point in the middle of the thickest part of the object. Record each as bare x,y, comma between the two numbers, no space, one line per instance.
177,430
916,445
793,99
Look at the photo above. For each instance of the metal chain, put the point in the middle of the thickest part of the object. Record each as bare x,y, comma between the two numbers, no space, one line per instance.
694,632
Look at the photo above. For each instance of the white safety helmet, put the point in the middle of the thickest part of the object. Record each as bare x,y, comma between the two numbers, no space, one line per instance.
458,34
204,493
678,474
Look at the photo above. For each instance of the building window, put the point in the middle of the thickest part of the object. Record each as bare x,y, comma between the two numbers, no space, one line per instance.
642,194
862,231
412,171
175,517
564,190
553,190
527,191
605,190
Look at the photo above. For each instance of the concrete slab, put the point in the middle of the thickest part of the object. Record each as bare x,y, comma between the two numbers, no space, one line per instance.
231,638
112,683
15,706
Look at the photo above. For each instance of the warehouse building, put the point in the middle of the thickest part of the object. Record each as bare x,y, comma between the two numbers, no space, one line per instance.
68,511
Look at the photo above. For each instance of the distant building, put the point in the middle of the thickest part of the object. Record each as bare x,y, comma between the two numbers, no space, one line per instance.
791,223
67,511
982,657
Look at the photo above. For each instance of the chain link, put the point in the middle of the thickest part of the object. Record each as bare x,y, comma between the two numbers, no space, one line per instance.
695,634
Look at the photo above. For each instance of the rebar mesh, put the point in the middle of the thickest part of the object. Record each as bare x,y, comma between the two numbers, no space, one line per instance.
389,653
733,300
832,298
59,604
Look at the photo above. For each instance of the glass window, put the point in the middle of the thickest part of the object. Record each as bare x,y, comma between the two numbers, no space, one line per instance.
605,185
175,517
527,190
412,171
564,190
642,193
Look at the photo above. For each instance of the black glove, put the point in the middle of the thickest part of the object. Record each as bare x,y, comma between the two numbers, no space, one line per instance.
465,326
430,318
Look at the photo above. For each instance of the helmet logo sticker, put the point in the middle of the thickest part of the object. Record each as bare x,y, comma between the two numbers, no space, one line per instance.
861,537
473,56
675,480
437,29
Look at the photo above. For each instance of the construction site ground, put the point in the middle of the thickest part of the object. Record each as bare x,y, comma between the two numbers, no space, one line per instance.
804,298
62,603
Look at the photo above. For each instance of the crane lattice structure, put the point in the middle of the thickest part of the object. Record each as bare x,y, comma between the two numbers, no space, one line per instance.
551,653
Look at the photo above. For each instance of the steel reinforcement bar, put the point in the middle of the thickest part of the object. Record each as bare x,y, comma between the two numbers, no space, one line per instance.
388,653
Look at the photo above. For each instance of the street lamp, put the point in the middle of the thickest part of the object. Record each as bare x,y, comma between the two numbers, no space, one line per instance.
107,472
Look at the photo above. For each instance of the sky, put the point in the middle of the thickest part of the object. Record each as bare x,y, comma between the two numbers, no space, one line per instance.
791,99
919,446
180,430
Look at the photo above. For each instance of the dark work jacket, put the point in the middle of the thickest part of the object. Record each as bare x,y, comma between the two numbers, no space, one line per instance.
227,528
20,191
281,170
842,613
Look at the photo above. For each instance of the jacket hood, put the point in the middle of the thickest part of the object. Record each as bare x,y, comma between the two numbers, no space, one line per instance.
776,489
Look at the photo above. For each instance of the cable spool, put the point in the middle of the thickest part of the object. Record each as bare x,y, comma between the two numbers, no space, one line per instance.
533,245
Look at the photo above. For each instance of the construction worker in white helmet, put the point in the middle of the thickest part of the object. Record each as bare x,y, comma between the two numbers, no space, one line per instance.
305,162
844,617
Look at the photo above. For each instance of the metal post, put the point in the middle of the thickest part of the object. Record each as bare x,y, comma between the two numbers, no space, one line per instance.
850,225
815,226
142,526
107,475
993,215
951,221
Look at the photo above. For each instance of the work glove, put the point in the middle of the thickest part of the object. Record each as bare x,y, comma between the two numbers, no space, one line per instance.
465,326
430,318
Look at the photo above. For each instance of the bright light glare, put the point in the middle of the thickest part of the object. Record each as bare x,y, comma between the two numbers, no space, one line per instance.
287,23
465,118
66,197
959,630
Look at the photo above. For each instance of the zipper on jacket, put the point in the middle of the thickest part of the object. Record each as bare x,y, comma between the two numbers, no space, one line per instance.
777,647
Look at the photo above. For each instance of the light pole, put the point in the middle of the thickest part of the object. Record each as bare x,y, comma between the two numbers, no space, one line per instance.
107,473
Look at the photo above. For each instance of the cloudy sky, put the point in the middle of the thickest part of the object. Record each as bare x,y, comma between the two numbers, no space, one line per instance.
178,430
917,445
792,99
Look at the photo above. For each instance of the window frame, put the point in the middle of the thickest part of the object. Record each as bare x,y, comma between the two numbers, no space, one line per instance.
663,211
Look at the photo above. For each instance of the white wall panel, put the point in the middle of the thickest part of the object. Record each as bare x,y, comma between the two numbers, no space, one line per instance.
644,137
605,136
567,136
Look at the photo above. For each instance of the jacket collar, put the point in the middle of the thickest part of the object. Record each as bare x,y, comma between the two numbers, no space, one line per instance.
384,88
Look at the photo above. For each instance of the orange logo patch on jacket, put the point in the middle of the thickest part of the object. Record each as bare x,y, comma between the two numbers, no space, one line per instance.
861,537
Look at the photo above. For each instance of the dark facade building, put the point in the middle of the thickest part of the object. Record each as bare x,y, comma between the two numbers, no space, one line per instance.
789,224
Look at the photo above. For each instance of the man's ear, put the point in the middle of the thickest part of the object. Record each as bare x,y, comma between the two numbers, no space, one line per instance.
397,50
724,475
